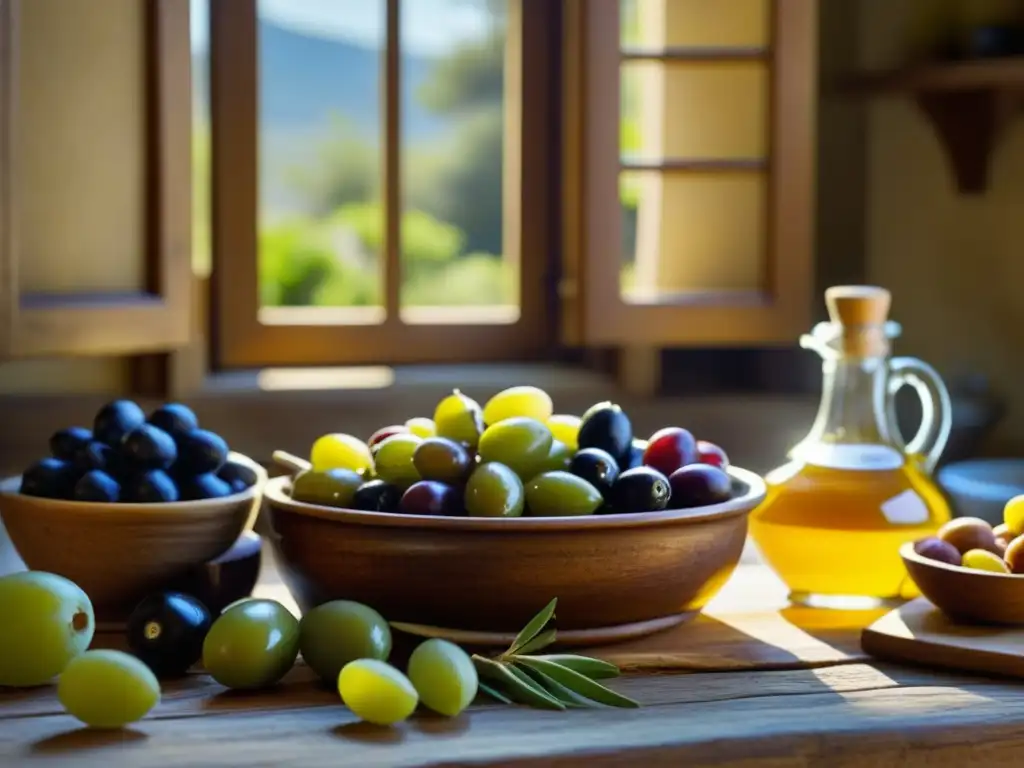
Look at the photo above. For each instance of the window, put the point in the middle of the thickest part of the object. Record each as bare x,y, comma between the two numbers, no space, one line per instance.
379,180
403,181
689,194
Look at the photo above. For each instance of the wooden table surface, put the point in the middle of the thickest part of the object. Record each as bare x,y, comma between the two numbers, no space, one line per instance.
755,684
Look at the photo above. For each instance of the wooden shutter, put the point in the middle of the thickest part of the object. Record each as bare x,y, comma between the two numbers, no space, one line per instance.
158,317
732,215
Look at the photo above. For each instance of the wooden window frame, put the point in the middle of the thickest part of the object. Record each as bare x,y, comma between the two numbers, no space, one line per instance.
242,341
595,312
158,318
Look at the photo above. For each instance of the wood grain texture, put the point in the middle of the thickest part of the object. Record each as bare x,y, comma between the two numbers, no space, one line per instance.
756,718
968,594
8,175
826,708
493,575
919,633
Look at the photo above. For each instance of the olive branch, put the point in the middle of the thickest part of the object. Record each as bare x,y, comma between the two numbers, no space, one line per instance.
548,681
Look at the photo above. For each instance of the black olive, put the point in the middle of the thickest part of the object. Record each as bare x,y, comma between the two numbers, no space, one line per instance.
148,447
49,479
115,420
174,418
597,467
166,631
377,496
207,486
97,485
97,455
641,489
200,451
152,487
67,443
607,427
238,476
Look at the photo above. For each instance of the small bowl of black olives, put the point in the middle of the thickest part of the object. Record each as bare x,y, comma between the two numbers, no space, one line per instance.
130,503
475,518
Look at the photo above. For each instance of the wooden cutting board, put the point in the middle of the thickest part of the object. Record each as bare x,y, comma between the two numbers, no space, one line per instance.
919,633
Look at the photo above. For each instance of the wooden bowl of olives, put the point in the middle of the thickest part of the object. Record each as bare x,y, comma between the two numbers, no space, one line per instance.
131,505
972,572
433,523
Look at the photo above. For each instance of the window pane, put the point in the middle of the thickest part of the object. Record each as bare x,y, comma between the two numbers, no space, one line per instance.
663,23
454,268
686,233
320,128
694,111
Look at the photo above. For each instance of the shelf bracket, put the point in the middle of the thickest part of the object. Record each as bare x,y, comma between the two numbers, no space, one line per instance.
969,125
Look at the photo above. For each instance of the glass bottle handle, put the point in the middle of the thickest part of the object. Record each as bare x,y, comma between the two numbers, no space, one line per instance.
936,408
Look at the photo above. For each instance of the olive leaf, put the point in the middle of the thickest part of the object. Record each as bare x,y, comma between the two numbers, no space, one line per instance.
543,640
494,694
578,683
555,688
595,669
515,684
535,625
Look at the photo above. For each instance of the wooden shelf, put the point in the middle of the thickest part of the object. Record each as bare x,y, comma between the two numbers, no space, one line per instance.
968,103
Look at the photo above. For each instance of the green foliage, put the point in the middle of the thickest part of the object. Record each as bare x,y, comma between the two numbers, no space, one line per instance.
452,191
299,267
471,77
479,279
347,170
462,184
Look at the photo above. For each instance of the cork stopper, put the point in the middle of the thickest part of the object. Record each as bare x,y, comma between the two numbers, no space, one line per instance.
861,312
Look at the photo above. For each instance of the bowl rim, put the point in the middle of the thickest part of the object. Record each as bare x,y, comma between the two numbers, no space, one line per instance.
277,500
909,555
9,486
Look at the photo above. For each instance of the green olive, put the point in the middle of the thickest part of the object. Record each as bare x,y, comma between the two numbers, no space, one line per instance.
393,457
494,490
520,443
252,644
438,458
459,418
560,494
558,458
331,488
335,633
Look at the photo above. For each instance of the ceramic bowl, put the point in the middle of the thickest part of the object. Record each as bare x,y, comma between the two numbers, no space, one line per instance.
119,553
965,594
981,487
615,576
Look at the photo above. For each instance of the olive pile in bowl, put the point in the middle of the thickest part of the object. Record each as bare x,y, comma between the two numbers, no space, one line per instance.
971,542
127,456
514,457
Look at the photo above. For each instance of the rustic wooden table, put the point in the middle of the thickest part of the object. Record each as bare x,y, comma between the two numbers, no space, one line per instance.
754,683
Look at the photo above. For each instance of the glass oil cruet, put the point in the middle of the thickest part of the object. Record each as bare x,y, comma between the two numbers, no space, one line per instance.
854,490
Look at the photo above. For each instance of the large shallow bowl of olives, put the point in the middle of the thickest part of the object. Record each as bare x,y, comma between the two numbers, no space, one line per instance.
469,520
132,503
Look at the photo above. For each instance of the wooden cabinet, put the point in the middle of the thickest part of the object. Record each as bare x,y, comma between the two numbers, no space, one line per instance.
154,315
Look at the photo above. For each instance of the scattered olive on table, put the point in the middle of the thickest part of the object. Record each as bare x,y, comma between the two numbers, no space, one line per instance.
166,632
127,457
515,457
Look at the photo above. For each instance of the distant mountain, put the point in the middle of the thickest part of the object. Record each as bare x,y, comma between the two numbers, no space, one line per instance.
305,79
